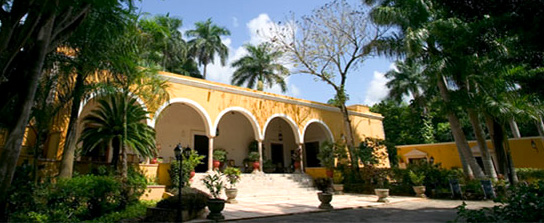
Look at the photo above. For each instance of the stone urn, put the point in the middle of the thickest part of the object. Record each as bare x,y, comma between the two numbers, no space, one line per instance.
231,195
382,195
216,206
325,199
420,191
338,188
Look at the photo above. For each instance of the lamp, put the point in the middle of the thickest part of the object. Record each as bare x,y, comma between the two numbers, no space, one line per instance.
216,131
280,136
431,160
533,145
177,152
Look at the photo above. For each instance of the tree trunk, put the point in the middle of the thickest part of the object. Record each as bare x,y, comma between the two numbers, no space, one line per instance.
349,137
204,72
502,149
32,72
514,128
540,126
459,136
489,168
68,155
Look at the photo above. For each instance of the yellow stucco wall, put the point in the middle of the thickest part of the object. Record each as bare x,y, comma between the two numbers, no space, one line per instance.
523,155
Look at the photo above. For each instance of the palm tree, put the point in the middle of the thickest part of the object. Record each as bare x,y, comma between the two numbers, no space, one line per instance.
407,79
207,43
260,67
106,126
167,48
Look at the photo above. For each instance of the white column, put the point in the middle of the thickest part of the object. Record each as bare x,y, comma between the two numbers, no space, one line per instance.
210,153
301,158
260,146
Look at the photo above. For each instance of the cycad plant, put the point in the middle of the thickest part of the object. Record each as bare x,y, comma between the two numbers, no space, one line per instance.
106,126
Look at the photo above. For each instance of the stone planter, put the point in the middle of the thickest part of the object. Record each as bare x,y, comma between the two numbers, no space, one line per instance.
171,215
216,206
420,191
382,195
325,199
338,188
231,195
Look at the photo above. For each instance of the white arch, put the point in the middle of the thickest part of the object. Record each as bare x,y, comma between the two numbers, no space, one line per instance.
247,114
197,107
290,121
94,95
327,129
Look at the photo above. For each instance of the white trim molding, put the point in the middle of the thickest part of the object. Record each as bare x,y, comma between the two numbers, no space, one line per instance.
197,107
251,118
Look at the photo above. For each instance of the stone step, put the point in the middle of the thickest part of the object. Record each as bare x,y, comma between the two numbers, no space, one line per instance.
260,184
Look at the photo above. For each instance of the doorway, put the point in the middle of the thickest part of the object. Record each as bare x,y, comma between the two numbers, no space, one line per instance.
277,155
201,147
312,149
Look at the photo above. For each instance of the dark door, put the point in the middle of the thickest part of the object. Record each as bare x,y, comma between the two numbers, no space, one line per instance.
201,146
277,155
312,149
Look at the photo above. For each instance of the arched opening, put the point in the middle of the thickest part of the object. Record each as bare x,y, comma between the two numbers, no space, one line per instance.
181,123
236,129
280,143
315,133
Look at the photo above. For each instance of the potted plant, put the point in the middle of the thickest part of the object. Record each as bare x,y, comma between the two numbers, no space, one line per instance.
219,158
215,204
192,161
254,157
233,176
268,166
326,157
325,196
381,191
297,157
337,180
417,180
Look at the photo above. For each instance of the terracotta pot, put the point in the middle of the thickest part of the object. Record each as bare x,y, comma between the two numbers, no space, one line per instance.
231,195
153,161
216,206
256,166
329,173
325,199
420,191
192,174
297,165
382,195
216,164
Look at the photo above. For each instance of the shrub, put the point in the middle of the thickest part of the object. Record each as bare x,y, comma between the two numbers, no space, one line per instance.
220,155
174,173
337,177
192,199
135,210
324,184
254,156
417,179
524,203
214,184
530,174
233,175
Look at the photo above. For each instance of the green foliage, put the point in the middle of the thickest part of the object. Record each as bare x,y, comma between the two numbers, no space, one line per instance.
417,179
189,164
327,154
337,177
524,203
191,199
530,174
214,183
324,184
233,175
366,152
220,155
254,156
132,211
253,146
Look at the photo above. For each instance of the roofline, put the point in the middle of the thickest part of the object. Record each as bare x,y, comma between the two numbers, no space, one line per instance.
256,94
470,141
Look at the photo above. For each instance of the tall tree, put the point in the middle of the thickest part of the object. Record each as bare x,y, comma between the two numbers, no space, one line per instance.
260,67
168,50
206,43
329,44
37,27
92,45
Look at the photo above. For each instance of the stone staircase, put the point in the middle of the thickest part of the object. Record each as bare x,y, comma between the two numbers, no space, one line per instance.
269,184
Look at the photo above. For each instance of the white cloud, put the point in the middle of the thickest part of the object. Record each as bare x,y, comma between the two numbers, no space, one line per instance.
377,89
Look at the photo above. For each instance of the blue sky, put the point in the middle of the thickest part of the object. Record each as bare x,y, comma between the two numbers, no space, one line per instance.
366,85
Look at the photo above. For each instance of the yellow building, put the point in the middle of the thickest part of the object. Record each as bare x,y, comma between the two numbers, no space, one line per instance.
527,152
206,115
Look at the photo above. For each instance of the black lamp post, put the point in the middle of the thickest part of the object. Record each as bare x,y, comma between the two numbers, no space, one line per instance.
177,151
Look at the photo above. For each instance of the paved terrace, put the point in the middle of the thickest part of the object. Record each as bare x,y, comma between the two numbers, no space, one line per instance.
347,207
